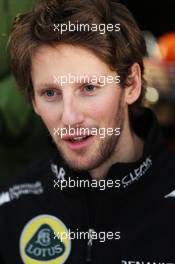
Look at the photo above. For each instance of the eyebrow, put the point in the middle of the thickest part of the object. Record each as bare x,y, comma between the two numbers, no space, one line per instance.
43,85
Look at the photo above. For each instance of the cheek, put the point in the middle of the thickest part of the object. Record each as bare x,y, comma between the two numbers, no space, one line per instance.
49,115
50,121
105,108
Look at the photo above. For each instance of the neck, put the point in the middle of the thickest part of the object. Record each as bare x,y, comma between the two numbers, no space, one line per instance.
129,149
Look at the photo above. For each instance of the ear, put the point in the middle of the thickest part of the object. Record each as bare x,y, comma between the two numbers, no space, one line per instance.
35,107
133,92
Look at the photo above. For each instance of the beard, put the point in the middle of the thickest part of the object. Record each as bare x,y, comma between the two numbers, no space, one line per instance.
102,153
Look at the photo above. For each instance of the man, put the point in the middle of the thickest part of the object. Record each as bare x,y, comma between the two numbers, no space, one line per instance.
105,192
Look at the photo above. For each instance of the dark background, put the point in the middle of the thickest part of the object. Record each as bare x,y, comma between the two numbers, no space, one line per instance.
156,16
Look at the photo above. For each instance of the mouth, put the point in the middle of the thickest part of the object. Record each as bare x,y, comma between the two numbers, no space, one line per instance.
79,139
79,142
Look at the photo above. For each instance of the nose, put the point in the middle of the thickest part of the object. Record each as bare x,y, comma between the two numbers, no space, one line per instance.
72,113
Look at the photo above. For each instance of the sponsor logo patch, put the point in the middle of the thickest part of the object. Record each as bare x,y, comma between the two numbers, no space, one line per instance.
137,173
38,243
145,262
16,191
170,195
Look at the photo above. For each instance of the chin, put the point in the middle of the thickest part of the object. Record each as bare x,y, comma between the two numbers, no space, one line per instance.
83,160
78,164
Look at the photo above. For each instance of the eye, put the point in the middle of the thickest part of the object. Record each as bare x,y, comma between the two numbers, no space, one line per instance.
89,88
49,93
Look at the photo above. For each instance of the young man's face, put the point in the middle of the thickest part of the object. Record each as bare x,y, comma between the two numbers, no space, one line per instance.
77,104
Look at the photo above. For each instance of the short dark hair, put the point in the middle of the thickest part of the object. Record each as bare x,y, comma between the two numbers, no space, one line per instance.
120,50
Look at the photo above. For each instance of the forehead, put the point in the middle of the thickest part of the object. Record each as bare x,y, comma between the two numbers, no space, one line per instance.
64,58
